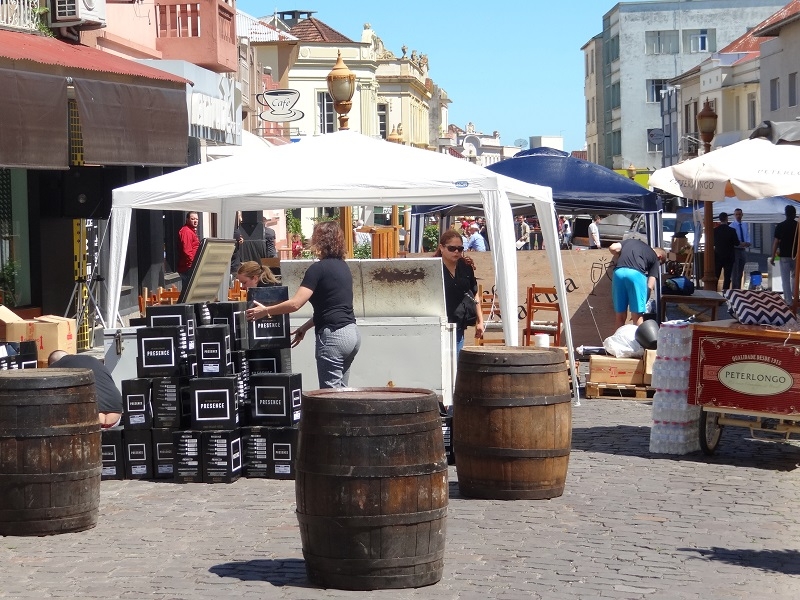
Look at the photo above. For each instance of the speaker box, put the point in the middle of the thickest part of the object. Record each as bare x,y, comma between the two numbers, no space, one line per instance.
86,191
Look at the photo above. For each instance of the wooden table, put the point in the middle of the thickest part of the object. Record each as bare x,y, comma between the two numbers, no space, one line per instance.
708,299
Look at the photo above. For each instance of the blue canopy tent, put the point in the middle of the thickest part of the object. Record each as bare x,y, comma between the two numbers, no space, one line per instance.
578,186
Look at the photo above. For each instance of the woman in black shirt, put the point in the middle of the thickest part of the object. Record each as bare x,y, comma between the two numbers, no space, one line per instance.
328,285
459,279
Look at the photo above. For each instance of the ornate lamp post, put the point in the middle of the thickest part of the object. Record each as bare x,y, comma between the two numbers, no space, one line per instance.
707,126
341,87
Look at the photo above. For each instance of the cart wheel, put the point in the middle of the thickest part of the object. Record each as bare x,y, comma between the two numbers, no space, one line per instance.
710,432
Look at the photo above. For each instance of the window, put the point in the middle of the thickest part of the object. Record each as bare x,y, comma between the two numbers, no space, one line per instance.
661,42
737,119
586,65
594,112
793,89
588,116
774,94
612,50
616,100
591,62
326,113
616,142
383,113
751,110
654,89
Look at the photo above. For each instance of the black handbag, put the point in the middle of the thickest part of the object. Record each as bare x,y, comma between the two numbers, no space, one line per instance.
466,313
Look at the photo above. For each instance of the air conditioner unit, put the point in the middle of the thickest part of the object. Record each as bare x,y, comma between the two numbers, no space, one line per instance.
84,14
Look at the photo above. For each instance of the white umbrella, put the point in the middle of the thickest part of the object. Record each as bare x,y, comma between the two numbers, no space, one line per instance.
750,169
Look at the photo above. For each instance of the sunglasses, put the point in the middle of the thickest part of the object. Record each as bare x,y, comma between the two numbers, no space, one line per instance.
455,248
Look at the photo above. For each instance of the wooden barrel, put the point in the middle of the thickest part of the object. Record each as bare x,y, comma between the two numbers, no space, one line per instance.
371,488
512,422
50,459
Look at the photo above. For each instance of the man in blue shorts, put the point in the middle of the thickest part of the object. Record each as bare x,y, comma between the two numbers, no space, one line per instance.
636,272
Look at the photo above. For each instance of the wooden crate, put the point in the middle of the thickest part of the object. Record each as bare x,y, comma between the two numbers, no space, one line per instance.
614,391
609,369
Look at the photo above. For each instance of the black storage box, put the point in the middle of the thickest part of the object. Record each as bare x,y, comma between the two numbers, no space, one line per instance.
137,445
233,315
269,360
111,450
214,403
275,399
163,454
222,456
160,353
162,315
188,459
137,408
213,344
170,398
272,332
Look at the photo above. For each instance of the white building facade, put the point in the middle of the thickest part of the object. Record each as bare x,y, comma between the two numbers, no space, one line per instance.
645,44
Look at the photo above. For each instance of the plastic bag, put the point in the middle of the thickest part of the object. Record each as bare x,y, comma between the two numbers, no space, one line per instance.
623,344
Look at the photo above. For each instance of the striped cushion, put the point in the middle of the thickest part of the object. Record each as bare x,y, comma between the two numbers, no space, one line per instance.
755,307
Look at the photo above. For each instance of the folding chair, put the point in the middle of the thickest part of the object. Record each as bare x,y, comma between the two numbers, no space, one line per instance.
543,315
493,324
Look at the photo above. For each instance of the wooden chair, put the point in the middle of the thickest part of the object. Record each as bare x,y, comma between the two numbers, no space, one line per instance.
493,324
236,293
146,299
543,315
169,296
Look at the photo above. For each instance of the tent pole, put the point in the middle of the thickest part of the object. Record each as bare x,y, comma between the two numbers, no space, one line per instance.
709,280
346,223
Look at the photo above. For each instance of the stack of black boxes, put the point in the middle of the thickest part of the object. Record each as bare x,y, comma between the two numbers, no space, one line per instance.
197,411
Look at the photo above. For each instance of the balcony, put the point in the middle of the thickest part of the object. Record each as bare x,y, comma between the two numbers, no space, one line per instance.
201,32
19,14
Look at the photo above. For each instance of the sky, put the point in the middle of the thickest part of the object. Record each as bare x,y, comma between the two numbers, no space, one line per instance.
513,66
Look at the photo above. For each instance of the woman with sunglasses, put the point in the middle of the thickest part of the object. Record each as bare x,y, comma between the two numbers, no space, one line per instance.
459,279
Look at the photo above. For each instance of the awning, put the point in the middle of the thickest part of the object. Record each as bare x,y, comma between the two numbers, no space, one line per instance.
129,113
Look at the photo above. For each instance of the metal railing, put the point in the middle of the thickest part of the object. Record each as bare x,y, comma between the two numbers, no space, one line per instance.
20,14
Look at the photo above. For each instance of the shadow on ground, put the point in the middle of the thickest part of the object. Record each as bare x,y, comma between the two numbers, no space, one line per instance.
786,562
280,572
735,448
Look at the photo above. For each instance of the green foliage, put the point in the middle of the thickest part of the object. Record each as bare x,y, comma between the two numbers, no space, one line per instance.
293,224
8,282
324,218
362,250
430,238
41,21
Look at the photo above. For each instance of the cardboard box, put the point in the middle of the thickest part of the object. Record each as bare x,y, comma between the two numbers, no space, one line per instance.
137,404
163,454
648,360
608,369
270,332
171,403
266,360
214,403
50,332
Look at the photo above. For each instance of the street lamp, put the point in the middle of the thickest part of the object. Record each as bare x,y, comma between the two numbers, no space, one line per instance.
707,126
341,86
631,171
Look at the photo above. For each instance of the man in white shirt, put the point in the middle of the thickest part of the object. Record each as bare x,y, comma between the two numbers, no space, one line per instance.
594,234
740,253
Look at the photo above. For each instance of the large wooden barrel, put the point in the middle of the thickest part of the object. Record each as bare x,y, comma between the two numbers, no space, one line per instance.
371,488
512,422
50,459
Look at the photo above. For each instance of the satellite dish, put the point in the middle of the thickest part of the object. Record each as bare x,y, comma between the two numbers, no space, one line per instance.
521,143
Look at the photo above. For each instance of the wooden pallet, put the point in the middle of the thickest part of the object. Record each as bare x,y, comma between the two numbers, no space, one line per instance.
617,391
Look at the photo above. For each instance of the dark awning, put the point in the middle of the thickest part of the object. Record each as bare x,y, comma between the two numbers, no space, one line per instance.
33,120
125,124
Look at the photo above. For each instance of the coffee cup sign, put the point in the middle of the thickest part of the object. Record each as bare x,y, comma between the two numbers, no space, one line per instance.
281,105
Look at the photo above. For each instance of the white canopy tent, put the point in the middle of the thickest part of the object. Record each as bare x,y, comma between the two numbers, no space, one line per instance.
343,169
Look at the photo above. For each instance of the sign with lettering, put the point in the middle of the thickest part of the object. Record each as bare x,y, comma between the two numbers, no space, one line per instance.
744,372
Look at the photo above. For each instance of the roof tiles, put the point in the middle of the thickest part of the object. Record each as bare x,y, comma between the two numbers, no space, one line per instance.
314,30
